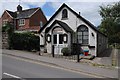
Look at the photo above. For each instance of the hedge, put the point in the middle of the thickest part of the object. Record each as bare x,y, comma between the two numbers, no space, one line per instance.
24,41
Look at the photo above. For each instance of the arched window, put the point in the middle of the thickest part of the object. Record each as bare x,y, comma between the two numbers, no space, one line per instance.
64,14
82,34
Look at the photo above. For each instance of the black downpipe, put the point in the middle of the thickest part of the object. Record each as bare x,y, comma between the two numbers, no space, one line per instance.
52,50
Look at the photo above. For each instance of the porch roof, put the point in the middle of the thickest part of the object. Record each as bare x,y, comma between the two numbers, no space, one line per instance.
62,24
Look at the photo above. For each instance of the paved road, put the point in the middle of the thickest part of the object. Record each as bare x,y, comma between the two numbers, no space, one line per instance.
21,68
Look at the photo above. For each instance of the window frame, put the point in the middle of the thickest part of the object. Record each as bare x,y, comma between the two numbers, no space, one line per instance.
21,22
84,33
64,14
61,41
5,22
54,39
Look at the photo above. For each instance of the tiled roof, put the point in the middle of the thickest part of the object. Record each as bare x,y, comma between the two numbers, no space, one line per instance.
23,14
13,14
65,26
26,13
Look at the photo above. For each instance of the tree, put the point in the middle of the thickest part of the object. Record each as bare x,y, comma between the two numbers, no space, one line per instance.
110,24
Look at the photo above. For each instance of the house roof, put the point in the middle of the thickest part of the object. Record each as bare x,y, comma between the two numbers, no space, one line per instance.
79,16
23,14
13,14
26,13
62,24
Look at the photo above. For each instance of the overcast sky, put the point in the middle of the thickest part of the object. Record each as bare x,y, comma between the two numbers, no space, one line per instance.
89,9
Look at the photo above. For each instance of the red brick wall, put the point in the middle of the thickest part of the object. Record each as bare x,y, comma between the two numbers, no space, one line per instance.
33,23
5,16
26,26
36,18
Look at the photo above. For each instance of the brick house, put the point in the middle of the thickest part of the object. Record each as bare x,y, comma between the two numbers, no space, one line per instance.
24,20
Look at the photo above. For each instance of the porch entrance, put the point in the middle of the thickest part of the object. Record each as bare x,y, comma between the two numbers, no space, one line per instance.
58,43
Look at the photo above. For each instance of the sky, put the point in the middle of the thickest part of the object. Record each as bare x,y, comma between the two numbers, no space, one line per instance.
89,9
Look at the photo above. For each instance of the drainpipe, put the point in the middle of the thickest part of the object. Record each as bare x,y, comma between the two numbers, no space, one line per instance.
52,50
39,44
78,60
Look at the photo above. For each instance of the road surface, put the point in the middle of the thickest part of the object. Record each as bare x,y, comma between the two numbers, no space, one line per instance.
13,67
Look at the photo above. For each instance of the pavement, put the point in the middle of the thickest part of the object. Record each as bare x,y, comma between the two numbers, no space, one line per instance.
101,72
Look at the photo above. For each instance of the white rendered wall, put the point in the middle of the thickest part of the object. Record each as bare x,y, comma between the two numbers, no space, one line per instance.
49,45
73,22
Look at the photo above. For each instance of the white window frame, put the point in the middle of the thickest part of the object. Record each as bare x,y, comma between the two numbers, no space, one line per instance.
65,14
5,22
21,22
82,36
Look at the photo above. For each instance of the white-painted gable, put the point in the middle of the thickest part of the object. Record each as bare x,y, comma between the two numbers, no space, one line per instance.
73,21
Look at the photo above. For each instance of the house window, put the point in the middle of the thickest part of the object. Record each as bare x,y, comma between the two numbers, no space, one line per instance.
64,14
21,22
60,38
41,24
5,22
82,33
55,39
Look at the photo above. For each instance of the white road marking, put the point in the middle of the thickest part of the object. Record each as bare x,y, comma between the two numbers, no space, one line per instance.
11,75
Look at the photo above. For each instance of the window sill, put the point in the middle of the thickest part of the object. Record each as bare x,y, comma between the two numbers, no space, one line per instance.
21,25
88,45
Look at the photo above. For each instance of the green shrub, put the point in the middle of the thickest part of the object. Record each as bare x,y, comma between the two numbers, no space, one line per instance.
4,28
7,28
66,51
24,41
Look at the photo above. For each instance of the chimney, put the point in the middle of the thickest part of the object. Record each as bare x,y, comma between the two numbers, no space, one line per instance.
19,8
